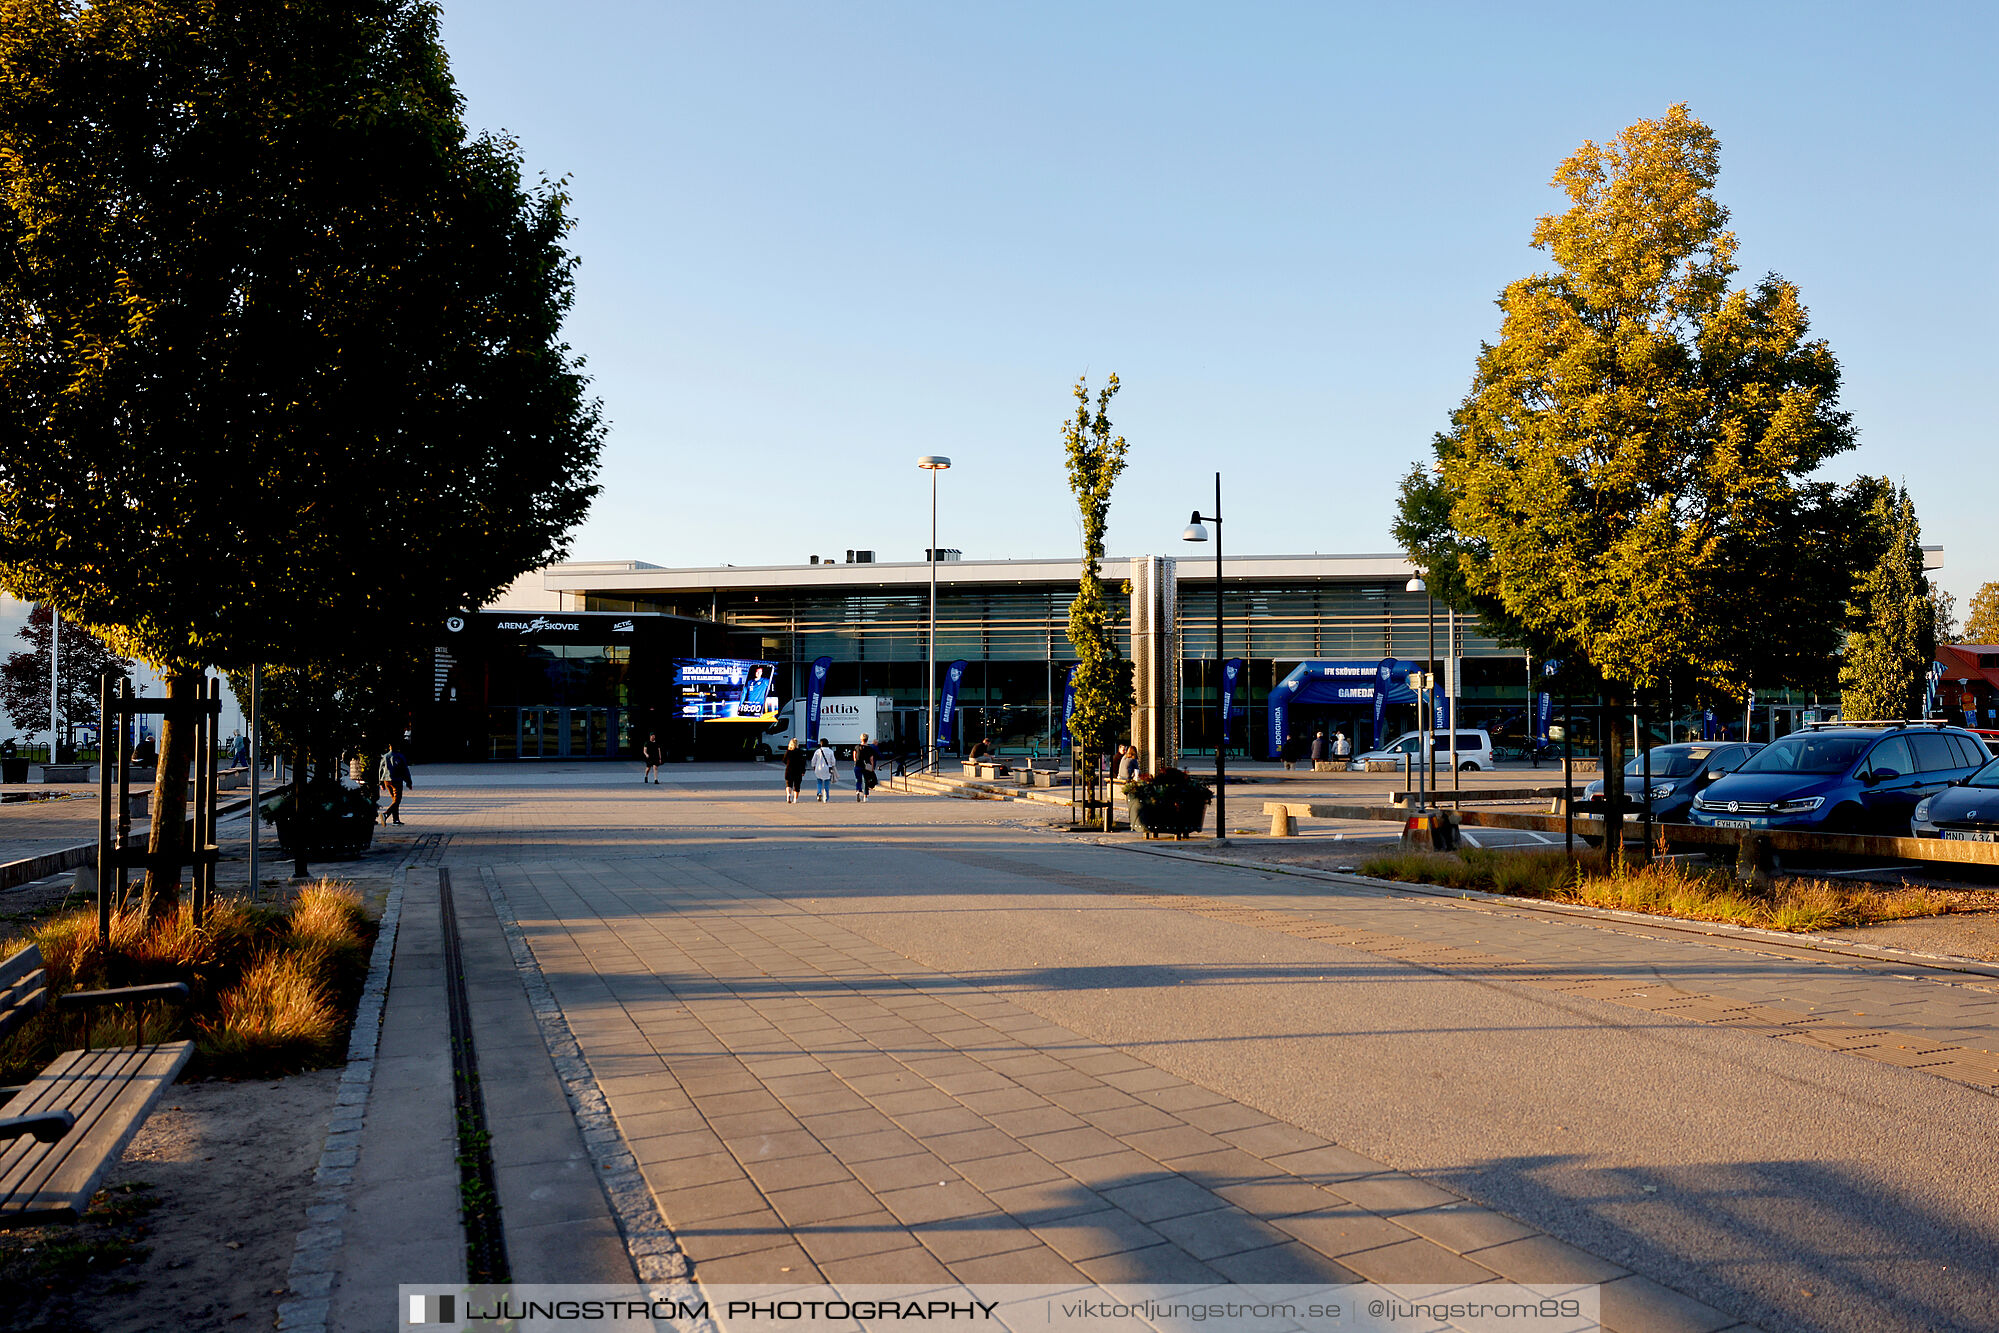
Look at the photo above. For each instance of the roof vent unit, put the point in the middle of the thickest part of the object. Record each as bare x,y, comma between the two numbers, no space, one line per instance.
860,557
813,558
943,553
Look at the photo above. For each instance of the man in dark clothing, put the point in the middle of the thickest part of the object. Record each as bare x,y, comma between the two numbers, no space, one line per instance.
864,768
395,777
654,754
1321,752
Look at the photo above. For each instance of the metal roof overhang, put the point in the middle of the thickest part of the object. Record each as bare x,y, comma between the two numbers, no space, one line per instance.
633,579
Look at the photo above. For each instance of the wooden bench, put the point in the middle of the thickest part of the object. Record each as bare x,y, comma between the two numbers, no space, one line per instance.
65,1128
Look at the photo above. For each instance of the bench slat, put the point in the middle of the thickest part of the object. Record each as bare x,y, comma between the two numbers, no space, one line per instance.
75,1082
61,1188
19,966
20,1005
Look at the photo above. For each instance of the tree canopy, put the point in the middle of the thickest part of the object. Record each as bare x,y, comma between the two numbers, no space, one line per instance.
281,376
80,666
1628,480
1981,619
1888,652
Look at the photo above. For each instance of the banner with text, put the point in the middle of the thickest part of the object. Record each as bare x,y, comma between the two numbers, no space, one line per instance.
1231,674
815,691
947,705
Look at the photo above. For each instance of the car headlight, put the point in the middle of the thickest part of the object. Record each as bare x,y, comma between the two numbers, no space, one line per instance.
1923,810
1662,792
1798,806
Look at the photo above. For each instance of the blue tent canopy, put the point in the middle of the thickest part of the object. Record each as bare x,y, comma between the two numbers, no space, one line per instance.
1346,684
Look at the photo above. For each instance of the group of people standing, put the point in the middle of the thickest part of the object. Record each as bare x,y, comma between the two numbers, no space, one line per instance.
820,760
1325,754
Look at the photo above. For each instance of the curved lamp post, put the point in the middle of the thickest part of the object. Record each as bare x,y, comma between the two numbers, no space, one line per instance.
933,464
1194,532
1426,768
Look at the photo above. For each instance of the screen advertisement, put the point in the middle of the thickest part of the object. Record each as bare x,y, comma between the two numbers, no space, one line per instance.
712,688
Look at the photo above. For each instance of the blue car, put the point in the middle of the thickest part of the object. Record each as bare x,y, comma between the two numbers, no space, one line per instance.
1679,774
1834,778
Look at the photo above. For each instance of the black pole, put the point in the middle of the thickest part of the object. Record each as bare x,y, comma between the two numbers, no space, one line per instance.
1645,743
1568,776
1430,687
107,855
1221,704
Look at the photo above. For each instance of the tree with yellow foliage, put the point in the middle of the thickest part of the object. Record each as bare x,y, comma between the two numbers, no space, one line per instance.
1628,481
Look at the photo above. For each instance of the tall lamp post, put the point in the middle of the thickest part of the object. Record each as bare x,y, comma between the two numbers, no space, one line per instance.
933,464
1426,767
1194,532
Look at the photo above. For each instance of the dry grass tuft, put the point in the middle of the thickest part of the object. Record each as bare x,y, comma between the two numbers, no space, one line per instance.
271,992
1660,888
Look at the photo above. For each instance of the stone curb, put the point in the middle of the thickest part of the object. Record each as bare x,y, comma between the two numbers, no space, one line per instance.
317,1253
656,1255
1804,942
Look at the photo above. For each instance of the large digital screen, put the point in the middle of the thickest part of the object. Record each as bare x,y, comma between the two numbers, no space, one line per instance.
724,687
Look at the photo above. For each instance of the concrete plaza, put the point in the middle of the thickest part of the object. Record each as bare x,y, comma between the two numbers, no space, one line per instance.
923,1040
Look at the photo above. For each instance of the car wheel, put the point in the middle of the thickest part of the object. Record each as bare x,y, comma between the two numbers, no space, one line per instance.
763,751
1468,766
1845,819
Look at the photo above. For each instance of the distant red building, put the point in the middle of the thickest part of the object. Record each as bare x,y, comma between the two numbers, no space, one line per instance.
1968,690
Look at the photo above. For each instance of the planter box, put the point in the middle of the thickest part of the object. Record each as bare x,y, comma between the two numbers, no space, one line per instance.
1158,819
339,838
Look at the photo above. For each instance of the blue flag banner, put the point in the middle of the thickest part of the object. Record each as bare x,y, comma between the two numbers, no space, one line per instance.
1440,710
815,690
1383,679
1710,725
1231,674
1068,707
1552,667
1547,706
947,705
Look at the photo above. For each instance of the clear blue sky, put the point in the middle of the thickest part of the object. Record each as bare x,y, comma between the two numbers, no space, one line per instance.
819,240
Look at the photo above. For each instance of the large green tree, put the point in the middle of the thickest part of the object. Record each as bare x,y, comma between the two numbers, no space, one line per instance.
281,374
1893,640
1628,482
1096,458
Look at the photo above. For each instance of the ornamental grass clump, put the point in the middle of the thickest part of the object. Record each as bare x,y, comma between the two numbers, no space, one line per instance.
1659,888
270,992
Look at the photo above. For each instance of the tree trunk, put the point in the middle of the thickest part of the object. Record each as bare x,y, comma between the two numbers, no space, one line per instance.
1610,737
169,835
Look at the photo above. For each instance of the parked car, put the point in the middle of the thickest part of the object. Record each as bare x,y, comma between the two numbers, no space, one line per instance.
1863,777
1474,749
1967,811
1679,773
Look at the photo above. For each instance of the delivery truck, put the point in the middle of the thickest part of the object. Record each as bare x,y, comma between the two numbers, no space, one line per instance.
843,720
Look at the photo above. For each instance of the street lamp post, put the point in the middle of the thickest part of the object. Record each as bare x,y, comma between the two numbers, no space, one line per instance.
1426,760
933,464
1194,532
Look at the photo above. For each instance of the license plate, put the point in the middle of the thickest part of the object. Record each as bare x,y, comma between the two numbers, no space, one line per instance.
1969,835
1733,823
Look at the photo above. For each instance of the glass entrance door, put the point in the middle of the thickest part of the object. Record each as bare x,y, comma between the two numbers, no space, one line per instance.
549,732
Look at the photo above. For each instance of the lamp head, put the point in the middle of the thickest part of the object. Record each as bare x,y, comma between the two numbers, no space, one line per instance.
933,462
1194,532
1416,585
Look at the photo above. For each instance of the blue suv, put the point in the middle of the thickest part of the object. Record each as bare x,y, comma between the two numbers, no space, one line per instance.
1861,777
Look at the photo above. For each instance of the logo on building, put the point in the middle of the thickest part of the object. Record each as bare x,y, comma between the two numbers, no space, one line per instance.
455,623
622,627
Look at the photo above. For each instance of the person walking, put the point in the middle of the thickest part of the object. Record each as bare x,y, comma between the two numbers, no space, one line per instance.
864,768
654,754
795,760
395,777
1342,751
825,766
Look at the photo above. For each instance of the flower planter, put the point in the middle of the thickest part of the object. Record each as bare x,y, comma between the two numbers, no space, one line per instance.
343,837
1176,817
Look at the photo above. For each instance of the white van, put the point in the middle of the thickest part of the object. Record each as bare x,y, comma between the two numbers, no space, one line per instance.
1474,749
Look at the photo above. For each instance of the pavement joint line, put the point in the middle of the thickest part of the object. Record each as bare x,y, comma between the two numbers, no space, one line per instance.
316,1253
655,1254
1814,1029
1804,942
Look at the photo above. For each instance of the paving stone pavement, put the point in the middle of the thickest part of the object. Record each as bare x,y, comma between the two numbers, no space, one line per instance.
779,1009
862,1119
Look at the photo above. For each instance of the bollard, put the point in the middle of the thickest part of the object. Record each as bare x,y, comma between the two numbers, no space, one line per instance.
1430,831
1283,824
